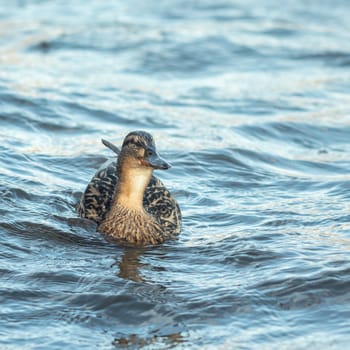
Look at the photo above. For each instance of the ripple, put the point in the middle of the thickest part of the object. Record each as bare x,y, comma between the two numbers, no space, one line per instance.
299,293
329,58
194,57
303,135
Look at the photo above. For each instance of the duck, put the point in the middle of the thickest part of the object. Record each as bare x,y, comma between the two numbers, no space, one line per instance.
126,200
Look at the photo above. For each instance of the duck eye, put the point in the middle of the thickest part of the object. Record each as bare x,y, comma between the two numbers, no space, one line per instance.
149,153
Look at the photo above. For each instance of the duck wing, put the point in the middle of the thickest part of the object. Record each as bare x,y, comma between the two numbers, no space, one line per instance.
97,197
159,202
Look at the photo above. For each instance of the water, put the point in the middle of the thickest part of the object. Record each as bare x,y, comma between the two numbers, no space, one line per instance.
250,103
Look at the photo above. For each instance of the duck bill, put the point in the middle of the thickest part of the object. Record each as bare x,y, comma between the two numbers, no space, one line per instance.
157,162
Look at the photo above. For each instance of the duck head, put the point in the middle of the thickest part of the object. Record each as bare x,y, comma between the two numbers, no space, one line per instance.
137,159
138,151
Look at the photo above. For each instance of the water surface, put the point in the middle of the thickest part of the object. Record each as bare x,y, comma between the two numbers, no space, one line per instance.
250,103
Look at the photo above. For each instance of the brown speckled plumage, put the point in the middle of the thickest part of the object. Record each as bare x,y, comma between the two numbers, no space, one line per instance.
142,229
157,218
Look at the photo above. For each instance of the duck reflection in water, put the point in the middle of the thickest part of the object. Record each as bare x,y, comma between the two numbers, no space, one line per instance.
130,265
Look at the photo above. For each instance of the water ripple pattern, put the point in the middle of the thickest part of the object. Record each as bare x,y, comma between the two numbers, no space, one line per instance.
250,103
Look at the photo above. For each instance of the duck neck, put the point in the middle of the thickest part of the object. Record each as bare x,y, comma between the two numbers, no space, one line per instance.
131,187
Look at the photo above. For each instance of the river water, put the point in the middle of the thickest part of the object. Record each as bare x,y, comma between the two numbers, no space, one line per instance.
250,103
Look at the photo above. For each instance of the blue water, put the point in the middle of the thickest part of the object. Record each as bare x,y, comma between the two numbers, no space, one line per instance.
250,103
